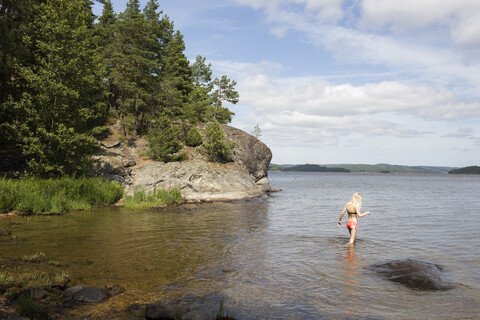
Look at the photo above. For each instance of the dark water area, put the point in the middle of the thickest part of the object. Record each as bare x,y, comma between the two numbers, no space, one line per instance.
280,256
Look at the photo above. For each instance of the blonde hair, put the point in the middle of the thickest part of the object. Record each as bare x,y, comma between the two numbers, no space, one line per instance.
355,203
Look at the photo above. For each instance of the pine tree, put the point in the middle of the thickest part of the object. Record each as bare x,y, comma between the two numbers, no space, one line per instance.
175,74
14,15
224,90
199,99
108,16
105,34
131,60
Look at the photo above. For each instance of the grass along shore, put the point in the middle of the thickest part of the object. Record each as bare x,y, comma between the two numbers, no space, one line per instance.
53,196
158,198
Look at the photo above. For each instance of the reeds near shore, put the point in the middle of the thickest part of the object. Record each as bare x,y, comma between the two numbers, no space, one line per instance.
158,198
38,196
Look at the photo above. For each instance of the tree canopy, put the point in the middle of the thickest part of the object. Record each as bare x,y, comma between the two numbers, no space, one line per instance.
65,72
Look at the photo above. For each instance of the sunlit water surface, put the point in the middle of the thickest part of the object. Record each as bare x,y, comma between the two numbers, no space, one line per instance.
280,256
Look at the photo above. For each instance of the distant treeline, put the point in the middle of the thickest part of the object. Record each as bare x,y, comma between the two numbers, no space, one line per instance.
466,170
375,168
307,168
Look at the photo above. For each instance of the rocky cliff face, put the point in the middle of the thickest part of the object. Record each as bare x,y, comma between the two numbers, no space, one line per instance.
198,179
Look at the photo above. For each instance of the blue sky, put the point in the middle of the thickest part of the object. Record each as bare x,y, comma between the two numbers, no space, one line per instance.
359,81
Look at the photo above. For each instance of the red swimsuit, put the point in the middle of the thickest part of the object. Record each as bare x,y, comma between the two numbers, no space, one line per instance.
351,224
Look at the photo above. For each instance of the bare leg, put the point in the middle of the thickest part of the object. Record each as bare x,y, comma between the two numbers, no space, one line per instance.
353,234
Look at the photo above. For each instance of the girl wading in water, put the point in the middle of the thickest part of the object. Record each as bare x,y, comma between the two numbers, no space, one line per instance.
353,210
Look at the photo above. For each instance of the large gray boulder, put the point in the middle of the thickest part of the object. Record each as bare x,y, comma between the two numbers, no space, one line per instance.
413,274
198,180
249,152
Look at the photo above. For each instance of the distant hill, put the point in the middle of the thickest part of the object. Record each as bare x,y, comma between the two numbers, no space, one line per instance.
466,170
378,168
314,168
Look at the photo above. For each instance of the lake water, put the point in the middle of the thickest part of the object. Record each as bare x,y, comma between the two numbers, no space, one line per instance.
280,256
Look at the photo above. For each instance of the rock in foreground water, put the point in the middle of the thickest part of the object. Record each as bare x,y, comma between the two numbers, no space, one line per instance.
413,274
160,311
79,294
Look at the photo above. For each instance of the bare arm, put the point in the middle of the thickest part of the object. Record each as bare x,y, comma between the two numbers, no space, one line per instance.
362,214
341,216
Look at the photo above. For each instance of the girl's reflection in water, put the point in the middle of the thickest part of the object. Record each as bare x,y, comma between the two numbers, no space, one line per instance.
351,281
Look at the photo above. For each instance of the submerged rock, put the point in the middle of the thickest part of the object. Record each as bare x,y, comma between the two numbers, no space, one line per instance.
79,294
160,311
197,315
413,274
35,293
5,233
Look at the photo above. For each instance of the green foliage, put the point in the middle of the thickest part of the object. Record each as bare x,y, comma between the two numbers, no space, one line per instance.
27,307
199,100
130,57
224,90
56,97
197,107
34,196
163,142
59,152
193,138
216,148
159,198
63,73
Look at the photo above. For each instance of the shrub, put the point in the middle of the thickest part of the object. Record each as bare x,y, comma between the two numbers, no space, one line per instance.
193,139
163,142
216,148
62,152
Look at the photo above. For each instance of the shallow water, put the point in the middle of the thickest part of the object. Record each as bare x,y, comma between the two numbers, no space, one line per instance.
281,256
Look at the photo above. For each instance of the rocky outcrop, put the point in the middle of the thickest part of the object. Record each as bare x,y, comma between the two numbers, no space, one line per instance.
197,178
250,153
413,274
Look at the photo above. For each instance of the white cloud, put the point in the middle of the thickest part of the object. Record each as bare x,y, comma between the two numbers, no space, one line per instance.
461,17
314,96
